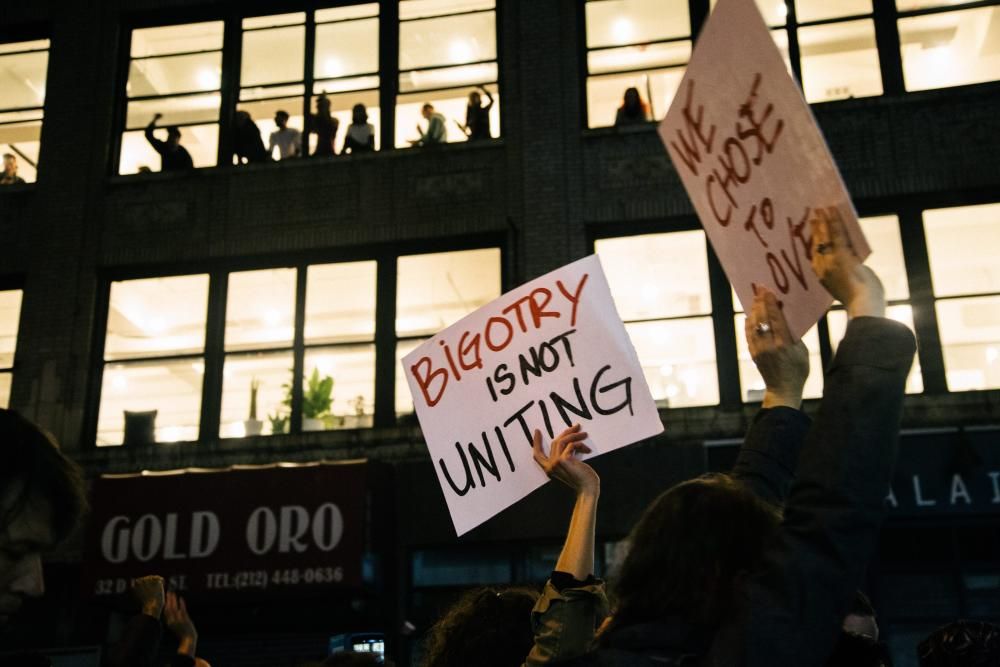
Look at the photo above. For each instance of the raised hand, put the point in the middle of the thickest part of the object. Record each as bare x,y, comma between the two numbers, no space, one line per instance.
148,592
175,614
783,361
841,272
562,464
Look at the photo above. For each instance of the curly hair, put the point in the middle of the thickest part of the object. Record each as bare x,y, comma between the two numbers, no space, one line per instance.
962,643
487,627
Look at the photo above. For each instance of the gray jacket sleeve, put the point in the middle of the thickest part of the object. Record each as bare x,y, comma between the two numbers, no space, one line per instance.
770,452
794,604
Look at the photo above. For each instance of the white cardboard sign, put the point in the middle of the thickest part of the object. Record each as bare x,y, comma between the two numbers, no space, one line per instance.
546,355
754,163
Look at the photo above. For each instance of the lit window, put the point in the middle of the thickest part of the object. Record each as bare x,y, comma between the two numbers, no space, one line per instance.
634,44
447,52
23,68
434,291
175,71
10,316
961,247
949,48
661,289
153,361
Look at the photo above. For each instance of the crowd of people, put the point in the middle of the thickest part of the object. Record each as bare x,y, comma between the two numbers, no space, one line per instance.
761,566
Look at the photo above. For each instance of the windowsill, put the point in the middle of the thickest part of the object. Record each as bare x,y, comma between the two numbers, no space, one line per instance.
623,130
307,162
19,187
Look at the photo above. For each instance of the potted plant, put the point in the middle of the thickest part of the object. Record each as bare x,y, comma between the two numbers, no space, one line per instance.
357,419
253,426
317,397
279,423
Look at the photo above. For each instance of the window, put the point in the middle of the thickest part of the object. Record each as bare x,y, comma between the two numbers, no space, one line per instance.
154,360
661,288
838,55
174,376
447,48
10,316
948,48
961,248
23,68
641,44
433,292
175,71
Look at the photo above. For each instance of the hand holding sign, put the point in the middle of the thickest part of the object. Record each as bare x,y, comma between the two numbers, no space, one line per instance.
561,462
754,163
841,271
781,358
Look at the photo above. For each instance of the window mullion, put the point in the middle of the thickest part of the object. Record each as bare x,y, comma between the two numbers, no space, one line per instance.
890,56
726,358
385,342
298,365
388,62
232,54
215,358
308,77
794,52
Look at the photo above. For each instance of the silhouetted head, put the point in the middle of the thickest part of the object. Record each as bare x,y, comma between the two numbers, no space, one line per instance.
173,135
690,550
9,163
475,99
359,114
632,102
962,644
41,500
281,119
487,627
427,110
323,105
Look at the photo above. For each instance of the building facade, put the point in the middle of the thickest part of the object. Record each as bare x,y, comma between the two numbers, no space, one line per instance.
212,304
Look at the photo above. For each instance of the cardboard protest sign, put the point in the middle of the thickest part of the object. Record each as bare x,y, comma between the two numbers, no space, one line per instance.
754,162
546,355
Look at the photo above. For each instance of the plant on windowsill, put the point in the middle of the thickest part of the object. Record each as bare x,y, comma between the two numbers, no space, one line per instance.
317,397
279,423
358,419
253,426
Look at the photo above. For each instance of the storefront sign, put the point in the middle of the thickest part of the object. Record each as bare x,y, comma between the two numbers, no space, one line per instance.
754,163
260,529
546,355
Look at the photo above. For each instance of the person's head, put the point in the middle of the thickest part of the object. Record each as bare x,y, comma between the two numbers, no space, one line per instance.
281,119
41,500
487,627
962,643
631,101
427,110
860,619
853,650
242,118
689,551
9,163
173,135
475,100
323,105
359,114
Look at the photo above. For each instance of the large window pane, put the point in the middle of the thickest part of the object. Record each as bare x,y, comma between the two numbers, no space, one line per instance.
274,20
175,74
340,302
404,399
22,140
840,60
638,57
346,49
962,246
10,316
262,113
22,79
449,40
837,323
818,10
348,12
352,398
750,379
342,108
273,56
185,110
970,341
620,22
201,141
272,373
418,9
185,38
452,104
436,290
678,360
260,309
157,317
950,48
605,93
170,389
657,275
886,259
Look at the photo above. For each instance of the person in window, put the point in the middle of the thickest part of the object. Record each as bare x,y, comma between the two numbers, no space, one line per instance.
288,140
247,142
173,156
436,132
324,125
9,176
360,137
477,116
633,109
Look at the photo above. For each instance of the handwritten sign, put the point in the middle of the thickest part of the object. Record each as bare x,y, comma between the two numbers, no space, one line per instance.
755,164
546,355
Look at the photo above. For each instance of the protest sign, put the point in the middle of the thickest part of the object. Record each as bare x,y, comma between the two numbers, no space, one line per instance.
754,163
546,355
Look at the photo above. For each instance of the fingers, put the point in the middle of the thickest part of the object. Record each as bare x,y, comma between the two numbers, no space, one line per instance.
776,318
536,444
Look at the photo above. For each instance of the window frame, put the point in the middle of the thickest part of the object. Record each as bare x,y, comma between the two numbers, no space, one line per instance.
11,283
214,353
30,33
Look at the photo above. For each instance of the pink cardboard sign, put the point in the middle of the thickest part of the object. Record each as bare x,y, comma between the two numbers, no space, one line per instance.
754,163
549,354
